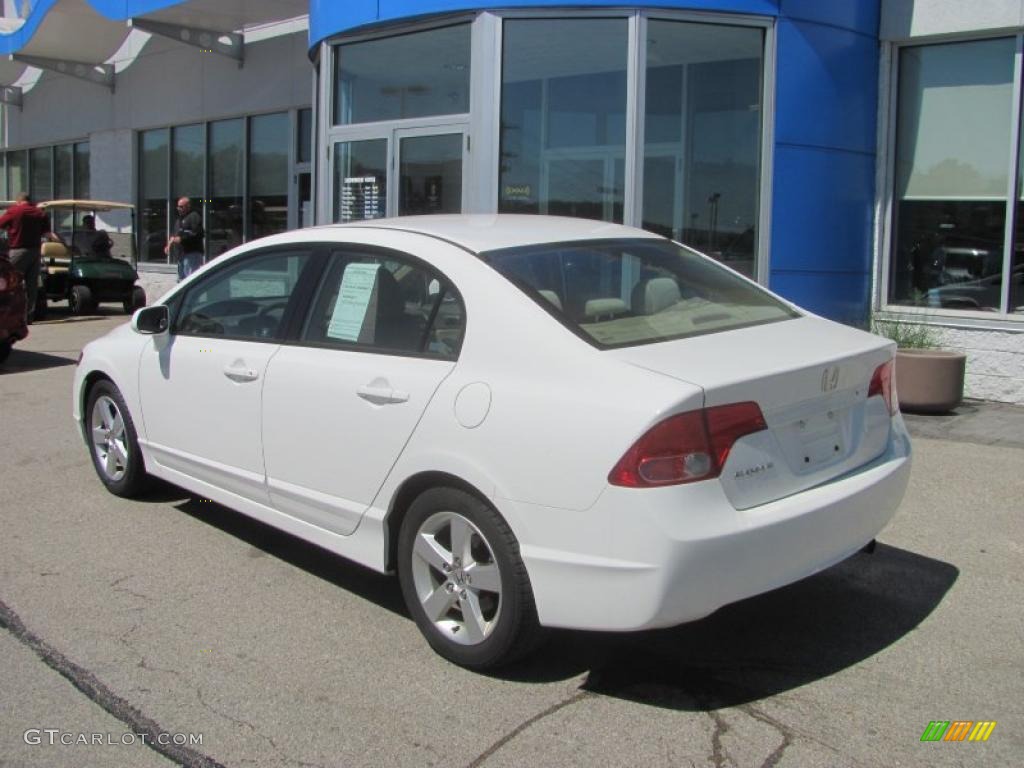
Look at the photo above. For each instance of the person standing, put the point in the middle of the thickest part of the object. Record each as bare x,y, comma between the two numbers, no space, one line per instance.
188,236
27,226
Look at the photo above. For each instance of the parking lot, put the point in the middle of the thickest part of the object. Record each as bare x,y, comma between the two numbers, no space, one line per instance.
174,619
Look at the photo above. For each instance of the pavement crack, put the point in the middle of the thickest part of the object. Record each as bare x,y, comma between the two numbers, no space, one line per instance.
719,754
783,730
96,691
116,586
486,754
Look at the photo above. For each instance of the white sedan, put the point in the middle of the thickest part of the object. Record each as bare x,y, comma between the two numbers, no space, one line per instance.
537,422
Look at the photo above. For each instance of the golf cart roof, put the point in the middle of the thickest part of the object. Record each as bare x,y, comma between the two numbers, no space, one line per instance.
93,205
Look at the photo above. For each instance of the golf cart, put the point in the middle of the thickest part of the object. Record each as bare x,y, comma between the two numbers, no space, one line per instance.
92,264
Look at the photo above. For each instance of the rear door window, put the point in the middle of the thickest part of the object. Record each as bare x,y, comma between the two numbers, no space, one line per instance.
386,303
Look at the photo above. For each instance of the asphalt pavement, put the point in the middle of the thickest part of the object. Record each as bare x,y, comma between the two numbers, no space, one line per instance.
172,630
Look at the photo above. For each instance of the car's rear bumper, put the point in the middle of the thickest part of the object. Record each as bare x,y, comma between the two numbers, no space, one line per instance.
672,555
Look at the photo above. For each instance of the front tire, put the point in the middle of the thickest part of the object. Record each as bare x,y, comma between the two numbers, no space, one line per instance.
464,582
113,442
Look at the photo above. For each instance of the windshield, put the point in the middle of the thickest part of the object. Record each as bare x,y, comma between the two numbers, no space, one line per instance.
618,293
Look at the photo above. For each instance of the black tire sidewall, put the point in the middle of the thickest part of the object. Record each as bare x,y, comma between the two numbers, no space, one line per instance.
500,646
135,475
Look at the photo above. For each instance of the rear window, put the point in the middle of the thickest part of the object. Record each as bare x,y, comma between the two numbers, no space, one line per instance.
618,293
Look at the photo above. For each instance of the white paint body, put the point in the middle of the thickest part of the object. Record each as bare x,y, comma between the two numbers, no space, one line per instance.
534,418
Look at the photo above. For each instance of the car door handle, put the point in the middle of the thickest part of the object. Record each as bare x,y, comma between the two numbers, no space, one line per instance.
240,372
380,395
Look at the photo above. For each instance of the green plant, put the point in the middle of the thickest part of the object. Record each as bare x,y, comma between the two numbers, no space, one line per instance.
907,335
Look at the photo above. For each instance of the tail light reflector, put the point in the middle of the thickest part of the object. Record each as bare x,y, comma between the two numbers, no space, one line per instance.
883,382
687,447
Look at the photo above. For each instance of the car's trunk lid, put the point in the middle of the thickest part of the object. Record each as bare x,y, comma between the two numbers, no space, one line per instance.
810,378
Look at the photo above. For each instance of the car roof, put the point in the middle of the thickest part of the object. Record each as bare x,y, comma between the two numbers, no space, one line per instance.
93,205
488,232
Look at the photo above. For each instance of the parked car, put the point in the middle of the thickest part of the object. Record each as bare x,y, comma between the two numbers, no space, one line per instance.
13,325
536,421
86,270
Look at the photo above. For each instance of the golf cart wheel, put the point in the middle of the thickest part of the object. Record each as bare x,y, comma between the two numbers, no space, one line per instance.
80,300
39,313
136,301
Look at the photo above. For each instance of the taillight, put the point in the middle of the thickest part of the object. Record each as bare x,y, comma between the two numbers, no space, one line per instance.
686,447
883,382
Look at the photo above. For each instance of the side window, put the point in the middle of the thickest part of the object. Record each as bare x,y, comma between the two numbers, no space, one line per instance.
388,304
243,301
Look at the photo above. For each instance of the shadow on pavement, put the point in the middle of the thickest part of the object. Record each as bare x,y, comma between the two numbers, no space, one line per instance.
22,361
62,314
368,584
747,651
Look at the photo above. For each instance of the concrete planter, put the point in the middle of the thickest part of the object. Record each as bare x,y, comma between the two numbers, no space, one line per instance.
930,380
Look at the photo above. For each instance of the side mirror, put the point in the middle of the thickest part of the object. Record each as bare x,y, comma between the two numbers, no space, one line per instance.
151,320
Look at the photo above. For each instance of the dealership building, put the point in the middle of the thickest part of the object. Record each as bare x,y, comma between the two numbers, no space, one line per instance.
855,156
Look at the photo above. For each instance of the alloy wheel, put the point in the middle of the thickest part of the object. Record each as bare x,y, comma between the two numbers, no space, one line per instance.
109,438
456,578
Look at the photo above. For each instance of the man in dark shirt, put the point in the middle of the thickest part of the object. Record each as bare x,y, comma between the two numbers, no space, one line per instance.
188,236
26,227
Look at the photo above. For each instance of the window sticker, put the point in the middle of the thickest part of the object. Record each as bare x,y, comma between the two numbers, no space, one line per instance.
350,308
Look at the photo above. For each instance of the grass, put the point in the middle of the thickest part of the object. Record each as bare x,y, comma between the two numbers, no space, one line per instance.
906,335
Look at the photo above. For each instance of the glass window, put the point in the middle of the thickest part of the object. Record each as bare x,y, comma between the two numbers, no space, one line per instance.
153,194
415,75
360,179
17,165
187,163
64,162
702,137
41,163
227,156
952,164
388,304
4,193
563,117
268,174
304,140
623,293
83,179
244,301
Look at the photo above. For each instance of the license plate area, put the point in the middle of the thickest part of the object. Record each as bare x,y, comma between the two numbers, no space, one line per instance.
815,441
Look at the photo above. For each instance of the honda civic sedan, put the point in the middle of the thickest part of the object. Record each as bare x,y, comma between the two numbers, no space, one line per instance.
535,421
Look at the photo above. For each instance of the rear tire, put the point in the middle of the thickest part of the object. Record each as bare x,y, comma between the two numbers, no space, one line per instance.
80,300
464,582
112,441
136,301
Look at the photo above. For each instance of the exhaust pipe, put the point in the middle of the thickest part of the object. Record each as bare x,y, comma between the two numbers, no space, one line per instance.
869,548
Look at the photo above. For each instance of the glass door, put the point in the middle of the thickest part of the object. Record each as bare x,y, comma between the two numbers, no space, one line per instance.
399,172
430,167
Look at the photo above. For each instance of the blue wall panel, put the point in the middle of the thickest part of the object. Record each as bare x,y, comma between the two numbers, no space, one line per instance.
838,296
329,17
827,90
822,209
856,15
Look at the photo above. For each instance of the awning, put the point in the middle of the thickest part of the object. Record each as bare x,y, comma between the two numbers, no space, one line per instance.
81,37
